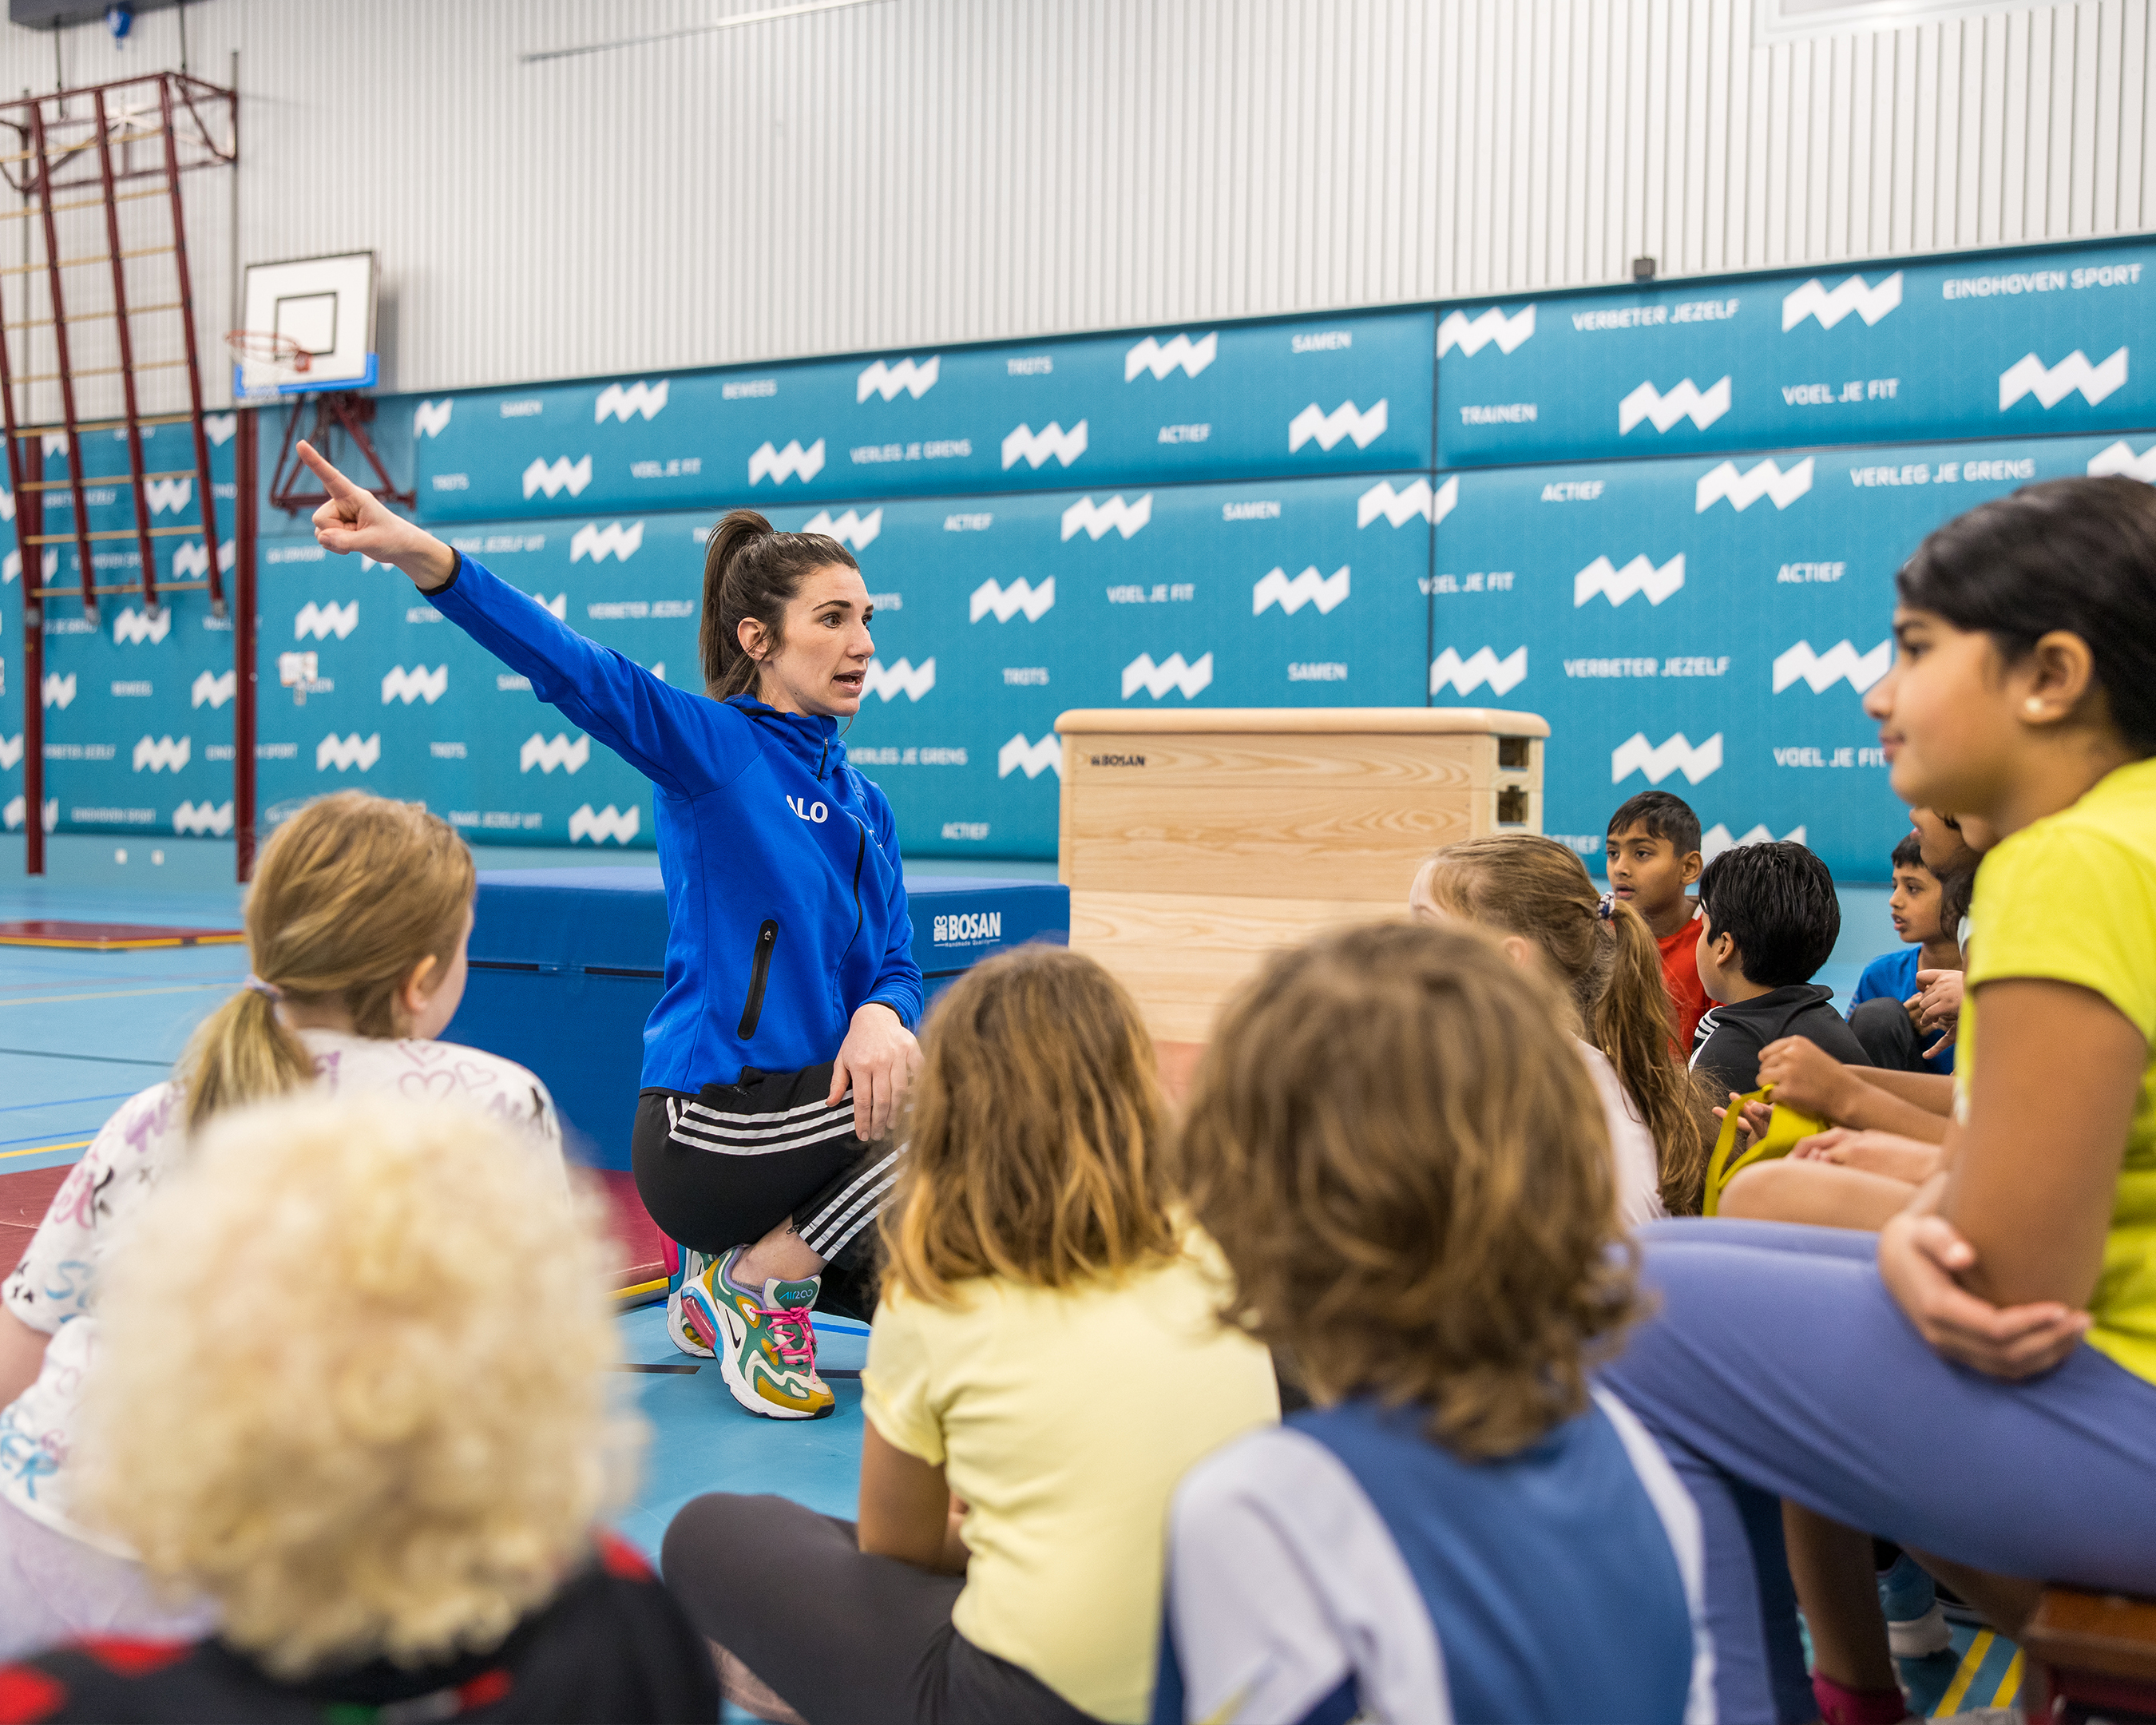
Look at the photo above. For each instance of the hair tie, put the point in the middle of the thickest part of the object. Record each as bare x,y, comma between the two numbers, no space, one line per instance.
1605,909
268,991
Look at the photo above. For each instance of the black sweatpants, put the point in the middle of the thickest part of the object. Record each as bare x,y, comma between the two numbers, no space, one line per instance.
723,1167
1883,1027
742,1567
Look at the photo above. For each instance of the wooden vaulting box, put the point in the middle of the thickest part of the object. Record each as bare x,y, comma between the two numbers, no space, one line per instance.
1194,843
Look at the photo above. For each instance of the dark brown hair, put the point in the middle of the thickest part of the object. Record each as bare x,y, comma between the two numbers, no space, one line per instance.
1405,1162
1038,1134
1610,967
752,571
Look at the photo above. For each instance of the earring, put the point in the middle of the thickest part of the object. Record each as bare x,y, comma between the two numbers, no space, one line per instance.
2035,706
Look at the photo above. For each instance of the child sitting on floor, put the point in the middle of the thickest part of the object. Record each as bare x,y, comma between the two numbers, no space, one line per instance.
1927,910
1403,1164
1534,893
1042,1368
1768,919
356,929
1652,854
350,1388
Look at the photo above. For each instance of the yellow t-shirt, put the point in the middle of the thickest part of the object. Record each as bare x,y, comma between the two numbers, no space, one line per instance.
2071,898
1066,1421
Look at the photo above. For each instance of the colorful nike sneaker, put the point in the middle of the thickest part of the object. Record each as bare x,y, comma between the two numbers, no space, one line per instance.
765,1344
689,1266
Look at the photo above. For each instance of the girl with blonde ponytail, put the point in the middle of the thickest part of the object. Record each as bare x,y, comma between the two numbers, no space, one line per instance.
356,930
1534,893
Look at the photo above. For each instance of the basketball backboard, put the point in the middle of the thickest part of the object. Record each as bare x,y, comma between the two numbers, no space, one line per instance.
320,308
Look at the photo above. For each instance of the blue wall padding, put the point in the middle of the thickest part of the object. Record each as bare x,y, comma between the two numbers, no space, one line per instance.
567,965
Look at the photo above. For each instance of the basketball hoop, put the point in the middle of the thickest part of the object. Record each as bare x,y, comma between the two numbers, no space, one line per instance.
266,360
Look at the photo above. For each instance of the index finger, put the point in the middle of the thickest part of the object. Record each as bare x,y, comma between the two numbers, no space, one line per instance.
340,487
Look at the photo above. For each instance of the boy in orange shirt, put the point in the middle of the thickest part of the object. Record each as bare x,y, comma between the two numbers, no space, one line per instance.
1653,851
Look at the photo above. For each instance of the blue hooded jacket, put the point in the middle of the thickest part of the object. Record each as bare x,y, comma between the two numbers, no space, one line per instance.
785,902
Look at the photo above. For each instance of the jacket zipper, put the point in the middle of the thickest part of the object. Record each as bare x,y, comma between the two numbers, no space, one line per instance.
759,973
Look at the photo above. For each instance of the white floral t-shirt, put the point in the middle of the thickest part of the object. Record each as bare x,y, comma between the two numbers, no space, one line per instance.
53,1288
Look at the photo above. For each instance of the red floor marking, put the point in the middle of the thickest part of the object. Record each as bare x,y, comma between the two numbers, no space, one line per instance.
111,936
23,1198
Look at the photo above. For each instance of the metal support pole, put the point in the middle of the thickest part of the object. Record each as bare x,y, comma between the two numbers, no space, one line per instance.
29,525
44,195
188,330
136,465
246,463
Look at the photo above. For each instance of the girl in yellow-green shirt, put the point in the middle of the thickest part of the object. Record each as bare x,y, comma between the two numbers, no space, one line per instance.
1979,1381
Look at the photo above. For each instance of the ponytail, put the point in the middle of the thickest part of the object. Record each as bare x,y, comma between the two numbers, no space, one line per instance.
751,573
1610,965
1636,1025
351,896
241,1053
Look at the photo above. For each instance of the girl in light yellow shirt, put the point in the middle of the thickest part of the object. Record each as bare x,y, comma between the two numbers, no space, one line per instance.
1046,1363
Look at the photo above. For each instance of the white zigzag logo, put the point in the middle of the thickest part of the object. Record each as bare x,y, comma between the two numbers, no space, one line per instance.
431,418
1402,507
889,679
1161,357
2029,376
12,816
344,753
858,530
1172,673
792,462
1715,838
1813,299
1702,406
218,428
53,443
1618,585
618,825
131,626
205,817
1743,490
214,688
173,495
548,753
1035,447
1481,666
323,621
416,684
2120,459
1007,602
597,543
7,504
192,559
559,605
12,566
59,690
11,752
1471,335
161,754
645,398
1325,592
1328,428
917,378
1095,520
1045,756
1635,754
557,476
1823,670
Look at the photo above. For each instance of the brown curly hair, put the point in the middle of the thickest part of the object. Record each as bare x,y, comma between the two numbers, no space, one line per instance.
1405,1162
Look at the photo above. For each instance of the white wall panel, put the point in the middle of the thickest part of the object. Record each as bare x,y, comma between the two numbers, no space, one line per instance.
923,172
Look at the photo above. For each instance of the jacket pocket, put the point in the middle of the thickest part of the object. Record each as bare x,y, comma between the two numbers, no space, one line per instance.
759,974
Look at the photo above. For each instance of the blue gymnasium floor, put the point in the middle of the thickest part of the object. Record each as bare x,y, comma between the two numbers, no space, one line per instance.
81,1031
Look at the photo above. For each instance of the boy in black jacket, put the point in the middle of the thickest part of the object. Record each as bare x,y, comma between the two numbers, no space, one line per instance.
1768,919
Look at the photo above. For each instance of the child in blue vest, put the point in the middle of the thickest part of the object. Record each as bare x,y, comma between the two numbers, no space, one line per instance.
1926,908
1406,1163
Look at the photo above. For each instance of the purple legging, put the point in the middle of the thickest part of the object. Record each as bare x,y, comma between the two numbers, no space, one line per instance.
1778,1366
